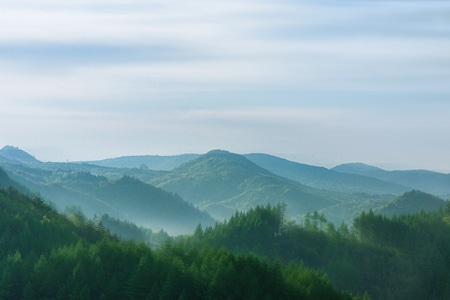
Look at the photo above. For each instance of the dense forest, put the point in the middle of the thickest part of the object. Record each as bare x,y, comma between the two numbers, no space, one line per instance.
45,255
404,257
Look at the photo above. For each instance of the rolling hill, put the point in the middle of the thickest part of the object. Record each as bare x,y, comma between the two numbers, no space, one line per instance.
411,202
222,182
323,178
10,154
430,182
125,198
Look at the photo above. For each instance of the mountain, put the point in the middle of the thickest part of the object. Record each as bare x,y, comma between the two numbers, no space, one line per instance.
222,182
151,162
323,178
411,202
430,182
125,198
12,154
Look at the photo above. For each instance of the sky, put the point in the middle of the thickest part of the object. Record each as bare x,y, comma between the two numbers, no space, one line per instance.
318,82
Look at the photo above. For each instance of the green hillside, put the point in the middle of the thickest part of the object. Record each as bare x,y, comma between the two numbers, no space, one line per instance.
430,182
411,202
222,182
377,255
125,198
44,255
323,178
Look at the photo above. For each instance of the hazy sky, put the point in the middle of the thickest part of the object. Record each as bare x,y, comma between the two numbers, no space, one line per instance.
319,82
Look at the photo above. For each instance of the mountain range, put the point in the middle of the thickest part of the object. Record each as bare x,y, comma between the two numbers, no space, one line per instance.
181,191
424,180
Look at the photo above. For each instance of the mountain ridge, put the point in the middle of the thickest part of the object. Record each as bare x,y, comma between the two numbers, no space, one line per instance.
428,181
223,182
323,178
13,154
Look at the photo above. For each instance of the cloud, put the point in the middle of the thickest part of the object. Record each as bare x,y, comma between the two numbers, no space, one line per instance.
223,73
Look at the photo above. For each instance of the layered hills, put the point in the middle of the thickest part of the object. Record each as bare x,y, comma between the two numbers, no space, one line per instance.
222,182
424,180
217,183
323,178
125,198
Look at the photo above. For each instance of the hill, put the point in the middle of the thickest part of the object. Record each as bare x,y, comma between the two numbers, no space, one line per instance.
44,255
125,198
15,155
430,182
222,182
377,255
411,202
323,178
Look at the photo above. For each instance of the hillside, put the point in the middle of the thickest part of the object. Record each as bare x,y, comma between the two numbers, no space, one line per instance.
125,198
411,202
44,255
430,182
222,182
15,155
323,178
378,255
5,181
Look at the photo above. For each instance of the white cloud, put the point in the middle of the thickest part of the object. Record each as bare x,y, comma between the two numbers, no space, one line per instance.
244,69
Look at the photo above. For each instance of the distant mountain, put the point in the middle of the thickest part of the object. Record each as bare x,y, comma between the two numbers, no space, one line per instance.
430,182
12,154
125,198
151,162
222,182
411,202
358,168
323,178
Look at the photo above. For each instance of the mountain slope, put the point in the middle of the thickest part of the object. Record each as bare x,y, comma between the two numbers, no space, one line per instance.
222,182
322,178
411,202
430,182
125,198
15,155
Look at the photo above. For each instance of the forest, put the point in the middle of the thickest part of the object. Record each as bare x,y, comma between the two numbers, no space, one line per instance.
46,255
259,254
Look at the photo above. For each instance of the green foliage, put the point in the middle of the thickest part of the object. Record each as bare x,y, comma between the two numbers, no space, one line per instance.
45,255
126,198
411,202
373,258
129,231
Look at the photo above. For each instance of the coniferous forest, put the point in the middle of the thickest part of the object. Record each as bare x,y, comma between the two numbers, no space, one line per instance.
45,255
254,255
